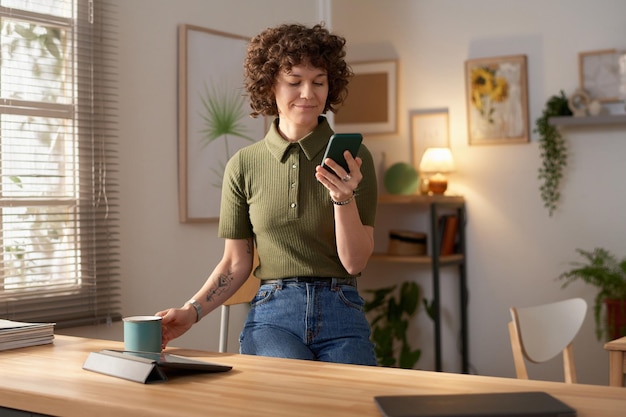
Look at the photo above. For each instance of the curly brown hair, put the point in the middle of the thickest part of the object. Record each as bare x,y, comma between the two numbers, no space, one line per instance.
282,47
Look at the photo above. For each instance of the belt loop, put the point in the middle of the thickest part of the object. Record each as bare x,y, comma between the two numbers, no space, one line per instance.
279,284
333,284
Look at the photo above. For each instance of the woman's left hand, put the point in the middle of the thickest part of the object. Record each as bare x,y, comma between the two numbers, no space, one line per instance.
341,186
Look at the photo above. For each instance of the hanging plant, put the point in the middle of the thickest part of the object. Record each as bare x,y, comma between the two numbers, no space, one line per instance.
553,151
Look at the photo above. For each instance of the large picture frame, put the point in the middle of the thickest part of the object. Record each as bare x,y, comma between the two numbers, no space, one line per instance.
497,100
210,80
429,128
599,74
372,102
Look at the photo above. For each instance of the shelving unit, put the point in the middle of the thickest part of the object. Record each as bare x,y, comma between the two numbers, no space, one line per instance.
437,205
607,120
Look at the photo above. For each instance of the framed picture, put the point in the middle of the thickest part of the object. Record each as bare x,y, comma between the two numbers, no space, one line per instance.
429,128
600,74
210,91
497,100
371,105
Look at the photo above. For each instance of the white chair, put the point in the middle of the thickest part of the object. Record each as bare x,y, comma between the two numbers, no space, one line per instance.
243,295
540,333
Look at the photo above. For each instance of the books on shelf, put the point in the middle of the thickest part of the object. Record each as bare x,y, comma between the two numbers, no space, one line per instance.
16,334
448,231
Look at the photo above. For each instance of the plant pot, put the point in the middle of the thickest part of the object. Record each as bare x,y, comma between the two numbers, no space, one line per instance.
615,318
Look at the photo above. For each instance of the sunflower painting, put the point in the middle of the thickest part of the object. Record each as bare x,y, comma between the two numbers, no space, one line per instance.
497,100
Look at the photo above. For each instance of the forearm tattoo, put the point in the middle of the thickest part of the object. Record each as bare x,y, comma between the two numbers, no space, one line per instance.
223,282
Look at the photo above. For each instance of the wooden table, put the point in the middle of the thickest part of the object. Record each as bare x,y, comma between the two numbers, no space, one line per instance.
50,380
617,361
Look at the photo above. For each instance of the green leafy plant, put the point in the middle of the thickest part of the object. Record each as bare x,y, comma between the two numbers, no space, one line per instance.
553,151
604,271
222,113
391,314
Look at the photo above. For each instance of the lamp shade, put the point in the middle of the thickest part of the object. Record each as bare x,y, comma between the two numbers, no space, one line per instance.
437,160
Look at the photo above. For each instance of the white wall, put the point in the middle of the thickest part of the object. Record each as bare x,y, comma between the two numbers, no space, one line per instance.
164,262
515,249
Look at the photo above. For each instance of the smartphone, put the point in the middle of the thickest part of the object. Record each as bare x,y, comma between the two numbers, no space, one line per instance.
338,144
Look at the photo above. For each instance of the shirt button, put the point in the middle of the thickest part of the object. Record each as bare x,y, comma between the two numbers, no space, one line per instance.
293,185
293,205
293,166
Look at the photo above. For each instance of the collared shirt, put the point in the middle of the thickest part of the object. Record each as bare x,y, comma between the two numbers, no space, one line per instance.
270,193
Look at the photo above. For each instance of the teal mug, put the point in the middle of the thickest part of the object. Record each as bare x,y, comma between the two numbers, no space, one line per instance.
142,333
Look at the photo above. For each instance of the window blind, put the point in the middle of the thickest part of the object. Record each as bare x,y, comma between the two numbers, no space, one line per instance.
58,162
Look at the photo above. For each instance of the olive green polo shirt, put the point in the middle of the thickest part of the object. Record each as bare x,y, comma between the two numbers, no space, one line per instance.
270,193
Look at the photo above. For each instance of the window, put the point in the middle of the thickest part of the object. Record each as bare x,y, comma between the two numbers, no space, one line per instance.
58,194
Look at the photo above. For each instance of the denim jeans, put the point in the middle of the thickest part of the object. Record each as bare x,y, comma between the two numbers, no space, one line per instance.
316,321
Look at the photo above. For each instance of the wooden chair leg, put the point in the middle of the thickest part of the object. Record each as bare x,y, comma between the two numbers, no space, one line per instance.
568,365
518,356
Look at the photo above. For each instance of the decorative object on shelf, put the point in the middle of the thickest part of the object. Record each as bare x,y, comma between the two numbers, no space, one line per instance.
497,100
553,151
406,243
599,74
390,317
608,274
578,103
401,178
429,129
435,163
595,108
371,106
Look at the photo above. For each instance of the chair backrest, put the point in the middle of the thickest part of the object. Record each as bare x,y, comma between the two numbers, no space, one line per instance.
540,333
243,295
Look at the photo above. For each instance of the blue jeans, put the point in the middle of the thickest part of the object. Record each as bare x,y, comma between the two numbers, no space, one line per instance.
316,321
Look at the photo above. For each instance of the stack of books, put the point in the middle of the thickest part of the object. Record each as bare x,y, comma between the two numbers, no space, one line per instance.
15,334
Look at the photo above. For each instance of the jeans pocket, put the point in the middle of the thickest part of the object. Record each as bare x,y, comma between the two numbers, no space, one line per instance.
264,294
350,297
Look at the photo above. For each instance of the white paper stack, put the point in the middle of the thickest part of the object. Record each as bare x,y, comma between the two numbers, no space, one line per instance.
15,334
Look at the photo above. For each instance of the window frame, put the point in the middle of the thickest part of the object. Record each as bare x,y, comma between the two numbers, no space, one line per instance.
95,296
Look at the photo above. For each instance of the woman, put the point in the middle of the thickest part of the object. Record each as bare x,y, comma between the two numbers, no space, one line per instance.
313,230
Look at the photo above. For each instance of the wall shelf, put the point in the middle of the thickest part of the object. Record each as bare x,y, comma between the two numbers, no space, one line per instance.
419,199
437,205
422,260
615,119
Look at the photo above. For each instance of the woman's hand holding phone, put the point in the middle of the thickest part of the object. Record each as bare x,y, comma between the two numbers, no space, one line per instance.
340,169
337,145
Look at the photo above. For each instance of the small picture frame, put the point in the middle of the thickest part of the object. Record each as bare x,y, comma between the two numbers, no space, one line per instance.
372,101
429,128
599,74
497,100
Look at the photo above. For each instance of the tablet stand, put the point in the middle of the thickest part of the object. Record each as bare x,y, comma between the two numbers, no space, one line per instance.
128,367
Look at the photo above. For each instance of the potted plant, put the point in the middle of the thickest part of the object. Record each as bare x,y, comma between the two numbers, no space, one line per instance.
390,317
608,274
553,150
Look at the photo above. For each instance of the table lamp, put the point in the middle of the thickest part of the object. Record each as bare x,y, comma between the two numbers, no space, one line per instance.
436,162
